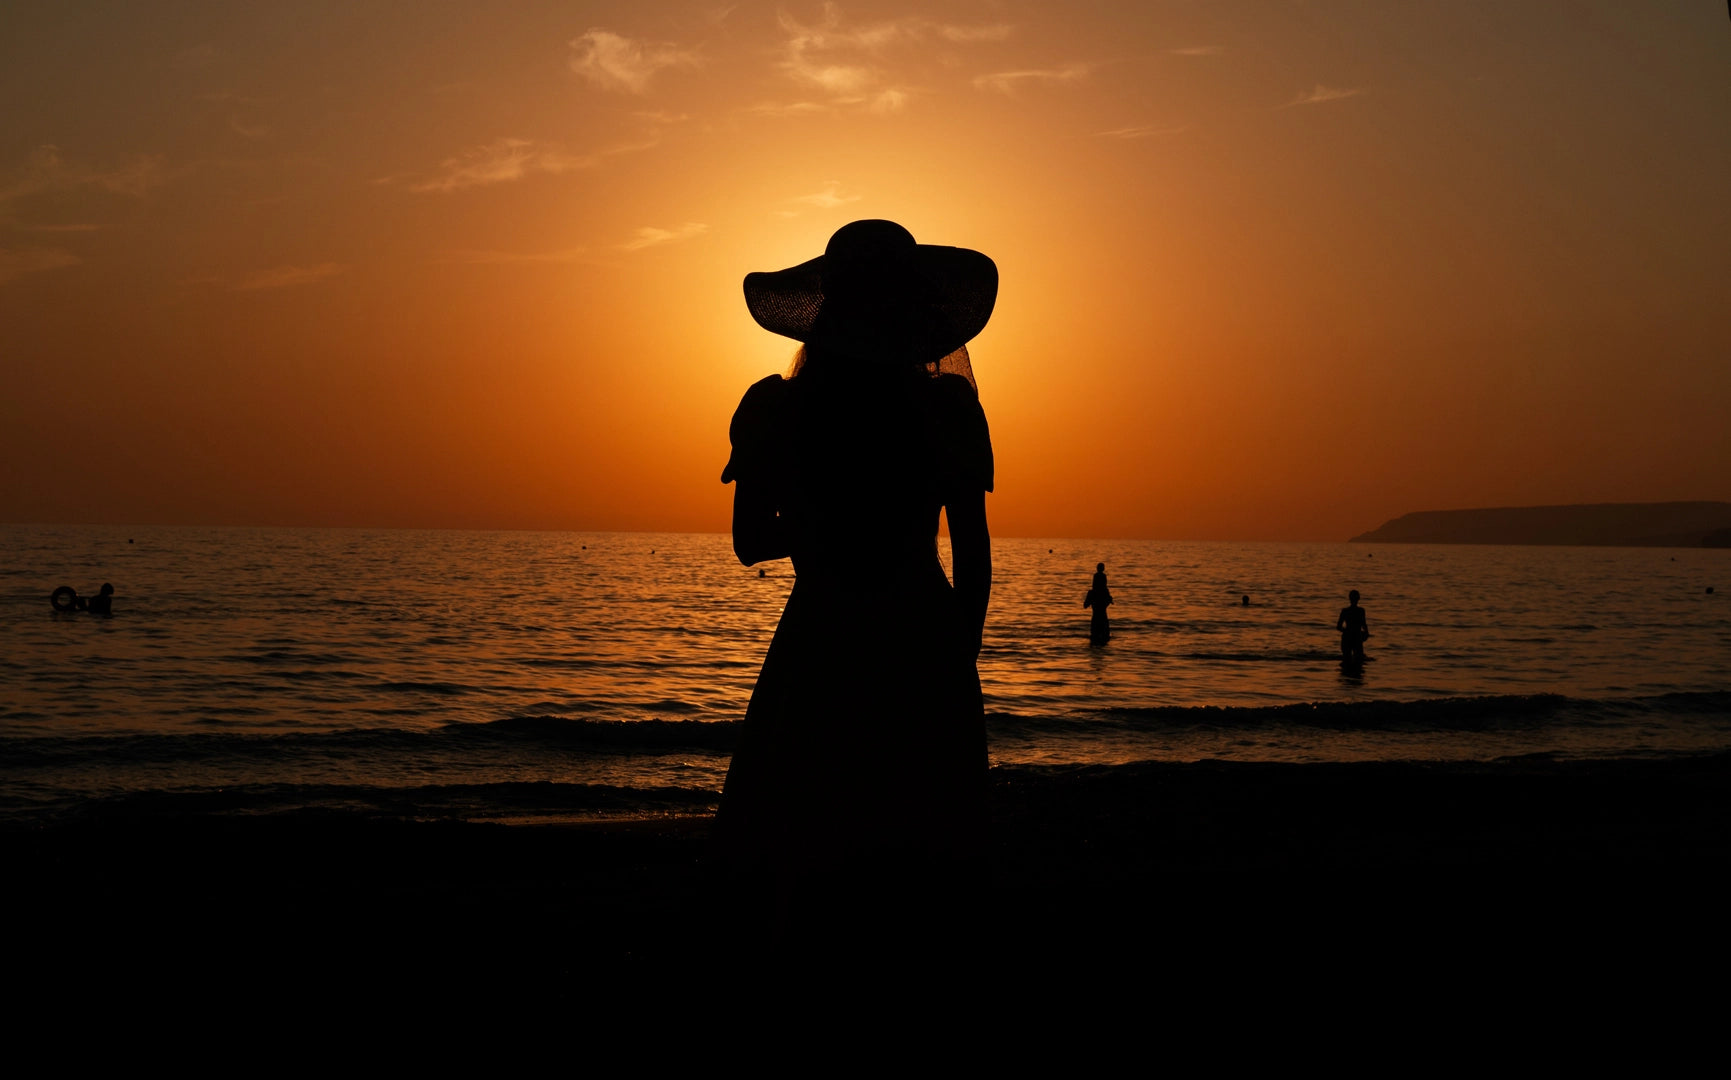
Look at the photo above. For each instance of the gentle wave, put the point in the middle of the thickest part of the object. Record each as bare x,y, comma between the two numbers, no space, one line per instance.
584,734
1462,714
498,801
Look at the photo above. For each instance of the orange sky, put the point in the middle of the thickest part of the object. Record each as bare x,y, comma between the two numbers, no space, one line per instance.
1269,271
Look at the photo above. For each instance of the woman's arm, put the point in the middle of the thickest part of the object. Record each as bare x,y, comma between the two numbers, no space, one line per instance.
759,534
971,551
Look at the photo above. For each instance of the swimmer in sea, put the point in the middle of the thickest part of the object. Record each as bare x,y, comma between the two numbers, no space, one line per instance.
1352,629
103,602
1098,598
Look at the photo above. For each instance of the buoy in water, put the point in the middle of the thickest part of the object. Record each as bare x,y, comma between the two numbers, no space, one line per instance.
64,598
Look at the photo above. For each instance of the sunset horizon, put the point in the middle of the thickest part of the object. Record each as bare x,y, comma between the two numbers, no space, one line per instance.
1268,273
551,502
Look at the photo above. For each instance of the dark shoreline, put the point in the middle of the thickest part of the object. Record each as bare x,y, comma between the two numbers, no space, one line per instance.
1196,864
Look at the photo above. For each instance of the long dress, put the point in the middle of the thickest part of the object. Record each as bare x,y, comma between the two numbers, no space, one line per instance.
865,735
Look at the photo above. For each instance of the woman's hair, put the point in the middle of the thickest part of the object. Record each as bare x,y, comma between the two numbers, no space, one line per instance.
816,358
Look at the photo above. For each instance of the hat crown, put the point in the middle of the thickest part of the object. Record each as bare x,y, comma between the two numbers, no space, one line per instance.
869,240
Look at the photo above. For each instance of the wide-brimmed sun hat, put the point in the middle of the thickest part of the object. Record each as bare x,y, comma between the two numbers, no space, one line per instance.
877,294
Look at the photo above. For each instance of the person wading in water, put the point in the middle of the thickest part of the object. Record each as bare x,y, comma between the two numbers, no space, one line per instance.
1099,598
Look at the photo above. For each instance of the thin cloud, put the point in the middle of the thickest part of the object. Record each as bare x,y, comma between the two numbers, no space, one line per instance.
616,62
649,236
500,161
201,55
889,101
1198,50
284,277
46,169
1143,132
829,198
1321,94
1005,82
16,262
848,62
247,131
796,108
967,35
80,227
804,52
506,257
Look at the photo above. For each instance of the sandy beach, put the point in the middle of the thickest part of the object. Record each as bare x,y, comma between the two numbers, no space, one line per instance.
1197,868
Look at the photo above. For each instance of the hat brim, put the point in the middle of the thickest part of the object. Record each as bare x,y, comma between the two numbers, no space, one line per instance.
947,293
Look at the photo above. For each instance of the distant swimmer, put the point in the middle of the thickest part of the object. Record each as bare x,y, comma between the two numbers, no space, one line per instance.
1244,601
1099,598
1352,629
103,602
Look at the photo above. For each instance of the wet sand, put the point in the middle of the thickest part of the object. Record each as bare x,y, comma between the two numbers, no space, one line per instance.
1233,871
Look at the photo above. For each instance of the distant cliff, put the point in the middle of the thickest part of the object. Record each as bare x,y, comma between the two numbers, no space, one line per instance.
1676,524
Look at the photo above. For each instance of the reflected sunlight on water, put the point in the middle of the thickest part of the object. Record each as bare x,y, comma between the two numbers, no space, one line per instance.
398,658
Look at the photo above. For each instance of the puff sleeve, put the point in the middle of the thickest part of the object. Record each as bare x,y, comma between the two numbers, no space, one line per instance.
752,431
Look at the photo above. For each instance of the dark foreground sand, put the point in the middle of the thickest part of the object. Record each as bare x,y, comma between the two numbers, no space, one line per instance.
1404,873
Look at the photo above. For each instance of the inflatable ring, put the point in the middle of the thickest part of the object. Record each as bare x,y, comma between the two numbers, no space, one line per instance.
64,598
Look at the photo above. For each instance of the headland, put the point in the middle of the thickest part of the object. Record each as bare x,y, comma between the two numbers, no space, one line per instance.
1669,524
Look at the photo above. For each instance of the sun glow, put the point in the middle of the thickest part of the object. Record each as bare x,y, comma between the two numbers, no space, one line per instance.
1261,277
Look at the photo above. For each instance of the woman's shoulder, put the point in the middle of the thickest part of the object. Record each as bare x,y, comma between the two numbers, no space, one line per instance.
962,434
955,391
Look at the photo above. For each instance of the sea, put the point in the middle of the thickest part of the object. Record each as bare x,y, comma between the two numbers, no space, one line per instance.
564,677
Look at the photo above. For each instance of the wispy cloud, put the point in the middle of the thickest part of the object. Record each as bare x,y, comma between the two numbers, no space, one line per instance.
1005,82
1142,132
284,277
16,262
201,55
247,131
500,161
504,257
1198,50
829,198
856,64
649,236
47,169
892,99
811,54
796,108
616,62
967,35
80,227
1321,94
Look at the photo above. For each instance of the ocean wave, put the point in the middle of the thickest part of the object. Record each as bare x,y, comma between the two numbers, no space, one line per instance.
1442,714
519,801
551,733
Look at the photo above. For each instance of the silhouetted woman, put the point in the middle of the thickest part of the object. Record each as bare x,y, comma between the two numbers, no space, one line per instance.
864,743
1099,598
